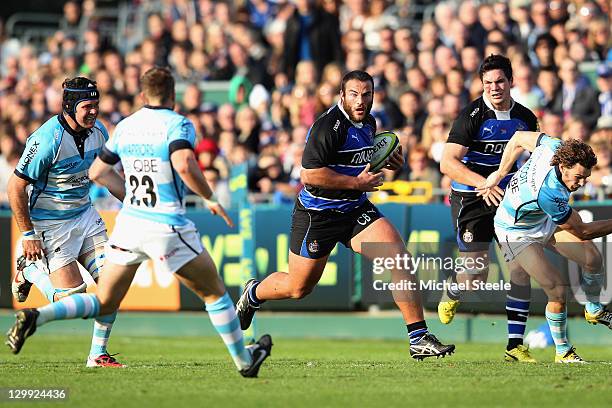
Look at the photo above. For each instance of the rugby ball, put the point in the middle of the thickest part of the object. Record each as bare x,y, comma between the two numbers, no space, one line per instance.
385,143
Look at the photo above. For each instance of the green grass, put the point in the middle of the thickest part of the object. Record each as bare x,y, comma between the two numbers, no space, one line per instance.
196,371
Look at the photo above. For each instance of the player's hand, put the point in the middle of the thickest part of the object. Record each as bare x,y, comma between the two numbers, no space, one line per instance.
217,209
32,249
396,160
492,196
367,181
493,180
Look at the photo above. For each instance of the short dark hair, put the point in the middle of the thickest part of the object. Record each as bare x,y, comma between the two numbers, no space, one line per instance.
572,152
158,82
358,75
496,61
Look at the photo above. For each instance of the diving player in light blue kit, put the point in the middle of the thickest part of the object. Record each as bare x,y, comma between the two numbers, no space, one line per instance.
155,146
49,196
535,213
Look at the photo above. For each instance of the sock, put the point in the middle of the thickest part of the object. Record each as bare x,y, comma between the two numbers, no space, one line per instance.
416,331
252,295
101,332
592,284
593,307
223,316
452,291
40,279
517,312
83,305
558,329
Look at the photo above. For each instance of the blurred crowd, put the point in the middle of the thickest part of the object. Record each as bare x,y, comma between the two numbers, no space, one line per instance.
284,61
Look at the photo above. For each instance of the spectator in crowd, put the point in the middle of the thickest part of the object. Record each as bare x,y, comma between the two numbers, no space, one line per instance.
577,98
311,34
284,61
604,83
525,91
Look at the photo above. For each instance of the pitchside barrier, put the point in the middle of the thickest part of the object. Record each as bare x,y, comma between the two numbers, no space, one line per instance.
347,283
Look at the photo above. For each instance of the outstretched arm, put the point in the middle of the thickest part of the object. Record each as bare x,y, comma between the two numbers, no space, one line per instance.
521,141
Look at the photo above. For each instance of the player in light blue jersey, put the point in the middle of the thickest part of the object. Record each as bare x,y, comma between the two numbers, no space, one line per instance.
535,213
49,196
155,146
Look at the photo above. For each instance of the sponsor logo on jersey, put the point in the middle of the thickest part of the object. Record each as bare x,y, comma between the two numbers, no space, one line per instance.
561,204
77,181
474,112
30,155
337,125
362,157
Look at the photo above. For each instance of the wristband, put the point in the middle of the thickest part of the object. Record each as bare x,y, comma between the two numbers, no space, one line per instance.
30,235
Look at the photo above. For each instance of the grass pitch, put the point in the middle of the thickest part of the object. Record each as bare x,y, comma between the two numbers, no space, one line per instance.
197,371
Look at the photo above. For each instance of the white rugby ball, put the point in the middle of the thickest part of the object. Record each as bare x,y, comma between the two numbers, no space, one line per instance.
385,143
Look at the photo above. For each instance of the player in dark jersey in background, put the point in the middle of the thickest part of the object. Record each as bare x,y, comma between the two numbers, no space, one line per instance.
473,151
333,207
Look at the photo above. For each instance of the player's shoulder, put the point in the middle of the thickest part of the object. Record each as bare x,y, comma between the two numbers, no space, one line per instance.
473,110
523,112
49,134
330,122
99,126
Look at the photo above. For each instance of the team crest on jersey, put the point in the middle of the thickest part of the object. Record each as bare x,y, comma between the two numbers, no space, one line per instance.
313,246
468,236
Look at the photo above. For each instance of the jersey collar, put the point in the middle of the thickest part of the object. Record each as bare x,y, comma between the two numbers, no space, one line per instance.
502,115
356,124
558,174
82,134
156,107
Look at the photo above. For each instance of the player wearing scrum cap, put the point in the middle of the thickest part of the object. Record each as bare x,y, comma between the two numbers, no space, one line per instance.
49,197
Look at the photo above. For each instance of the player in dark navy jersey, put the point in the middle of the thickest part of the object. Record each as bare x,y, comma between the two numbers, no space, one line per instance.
333,207
473,150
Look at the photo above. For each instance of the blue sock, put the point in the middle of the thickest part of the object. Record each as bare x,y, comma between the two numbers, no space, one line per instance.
416,331
558,329
223,316
592,284
101,332
83,305
40,279
593,307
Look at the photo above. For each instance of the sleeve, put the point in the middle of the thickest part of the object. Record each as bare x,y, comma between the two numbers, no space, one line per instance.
181,136
555,205
533,124
462,131
37,157
322,143
550,142
103,130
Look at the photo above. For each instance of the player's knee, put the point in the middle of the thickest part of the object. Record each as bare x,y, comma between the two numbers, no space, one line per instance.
300,291
594,261
555,292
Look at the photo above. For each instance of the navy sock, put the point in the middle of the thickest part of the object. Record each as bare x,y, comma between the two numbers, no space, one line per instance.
416,331
517,312
253,299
